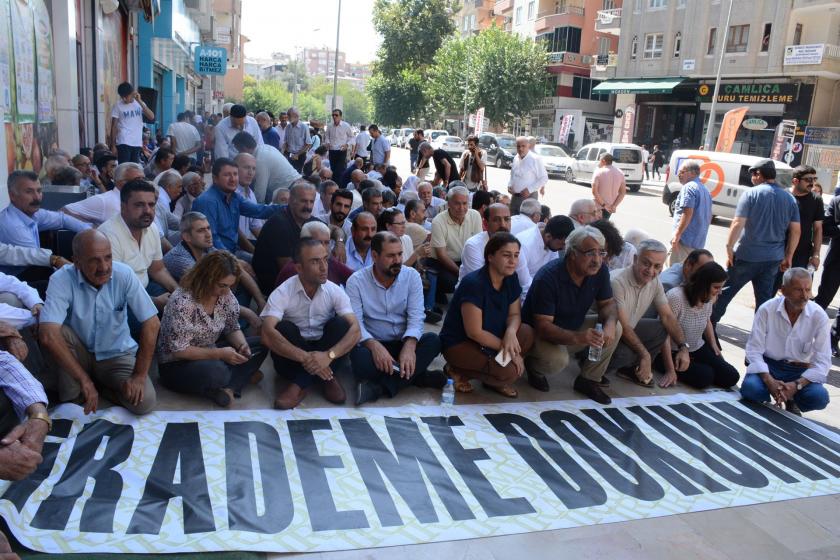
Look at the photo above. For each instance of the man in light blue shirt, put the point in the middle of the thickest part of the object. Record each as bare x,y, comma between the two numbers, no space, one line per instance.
297,141
393,351
84,326
23,219
765,214
693,214
238,121
380,147
358,246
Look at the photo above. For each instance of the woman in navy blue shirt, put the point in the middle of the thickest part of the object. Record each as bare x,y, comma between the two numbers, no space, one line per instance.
484,321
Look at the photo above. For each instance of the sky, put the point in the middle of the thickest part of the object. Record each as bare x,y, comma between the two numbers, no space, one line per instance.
290,25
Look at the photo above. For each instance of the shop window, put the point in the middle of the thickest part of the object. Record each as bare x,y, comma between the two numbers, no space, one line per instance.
739,36
634,48
653,45
710,48
657,4
582,89
797,34
677,44
765,37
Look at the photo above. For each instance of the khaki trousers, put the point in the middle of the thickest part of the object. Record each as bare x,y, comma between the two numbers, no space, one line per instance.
547,358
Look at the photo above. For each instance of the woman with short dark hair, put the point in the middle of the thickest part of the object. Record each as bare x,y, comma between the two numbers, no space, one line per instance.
692,304
483,328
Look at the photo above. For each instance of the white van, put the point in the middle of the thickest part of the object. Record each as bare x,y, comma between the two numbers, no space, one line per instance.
726,176
626,157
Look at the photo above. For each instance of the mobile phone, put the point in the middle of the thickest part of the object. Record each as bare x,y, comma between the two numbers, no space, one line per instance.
396,369
503,359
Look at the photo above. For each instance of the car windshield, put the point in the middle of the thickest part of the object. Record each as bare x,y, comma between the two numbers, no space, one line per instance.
435,133
507,141
551,151
451,139
626,155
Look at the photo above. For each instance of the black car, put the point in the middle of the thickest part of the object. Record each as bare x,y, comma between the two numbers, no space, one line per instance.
500,148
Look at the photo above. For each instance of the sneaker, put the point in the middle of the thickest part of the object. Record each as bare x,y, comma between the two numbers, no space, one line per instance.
367,391
433,318
592,390
430,379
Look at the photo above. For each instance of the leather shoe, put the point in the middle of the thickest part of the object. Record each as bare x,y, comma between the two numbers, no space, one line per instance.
605,381
538,381
367,391
791,406
334,392
592,390
289,397
433,318
430,379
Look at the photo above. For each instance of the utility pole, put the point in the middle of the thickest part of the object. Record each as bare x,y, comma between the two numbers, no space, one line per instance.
707,143
335,70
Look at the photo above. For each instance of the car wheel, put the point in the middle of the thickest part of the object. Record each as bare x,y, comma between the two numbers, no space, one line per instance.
634,188
499,162
570,175
672,206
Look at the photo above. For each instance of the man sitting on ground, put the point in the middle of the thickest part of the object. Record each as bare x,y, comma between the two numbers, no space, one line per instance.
557,306
308,323
540,246
104,206
337,272
450,231
84,326
530,214
679,273
583,212
789,351
496,218
388,301
358,246
371,201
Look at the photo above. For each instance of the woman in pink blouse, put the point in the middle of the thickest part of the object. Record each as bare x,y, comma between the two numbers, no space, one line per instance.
201,349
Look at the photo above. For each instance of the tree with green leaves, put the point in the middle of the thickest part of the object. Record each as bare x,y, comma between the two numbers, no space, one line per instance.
502,72
412,31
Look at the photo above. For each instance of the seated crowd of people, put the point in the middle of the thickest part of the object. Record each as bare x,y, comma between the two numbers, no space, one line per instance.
193,288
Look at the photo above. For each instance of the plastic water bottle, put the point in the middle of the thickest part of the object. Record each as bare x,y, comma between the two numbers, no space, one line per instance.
447,397
596,351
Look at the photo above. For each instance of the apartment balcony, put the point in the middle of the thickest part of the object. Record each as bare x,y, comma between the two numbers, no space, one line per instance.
608,21
569,59
604,66
813,60
503,7
560,16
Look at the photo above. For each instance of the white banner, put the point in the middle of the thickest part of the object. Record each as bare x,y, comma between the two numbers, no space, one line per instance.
338,478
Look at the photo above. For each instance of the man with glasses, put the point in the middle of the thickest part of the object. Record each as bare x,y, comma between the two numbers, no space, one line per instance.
765,214
558,305
693,214
583,212
339,136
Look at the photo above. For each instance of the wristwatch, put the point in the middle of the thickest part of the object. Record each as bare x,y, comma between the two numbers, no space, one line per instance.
331,355
683,345
42,416
799,384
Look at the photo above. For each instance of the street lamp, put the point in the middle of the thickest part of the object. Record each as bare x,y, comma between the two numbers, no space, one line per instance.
335,69
707,143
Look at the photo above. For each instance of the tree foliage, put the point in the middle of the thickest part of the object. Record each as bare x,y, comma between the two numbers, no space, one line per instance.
396,100
501,72
273,95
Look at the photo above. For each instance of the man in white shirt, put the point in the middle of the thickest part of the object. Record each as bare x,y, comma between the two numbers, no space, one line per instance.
126,138
184,137
583,212
230,126
248,227
360,146
539,246
282,125
338,138
789,351
308,324
530,214
273,170
645,158
496,219
527,175
104,206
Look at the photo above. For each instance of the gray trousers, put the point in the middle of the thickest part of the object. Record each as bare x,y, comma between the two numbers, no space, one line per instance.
652,335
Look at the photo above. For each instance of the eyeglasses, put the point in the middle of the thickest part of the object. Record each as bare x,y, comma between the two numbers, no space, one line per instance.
402,223
808,179
592,253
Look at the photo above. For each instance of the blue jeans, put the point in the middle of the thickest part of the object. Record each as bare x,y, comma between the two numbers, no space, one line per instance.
429,296
762,276
812,397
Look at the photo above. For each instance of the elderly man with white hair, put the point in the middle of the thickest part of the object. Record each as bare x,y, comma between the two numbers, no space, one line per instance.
789,351
193,184
583,212
450,231
557,306
693,213
297,140
104,206
635,289
433,204
530,214
527,175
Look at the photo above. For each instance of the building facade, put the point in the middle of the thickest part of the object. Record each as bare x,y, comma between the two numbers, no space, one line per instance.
574,115
476,16
780,59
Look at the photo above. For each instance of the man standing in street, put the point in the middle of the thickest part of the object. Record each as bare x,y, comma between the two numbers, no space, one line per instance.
361,145
693,214
380,152
608,186
339,137
446,169
297,141
811,214
413,146
527,175
269,134
765,214
238,121
127,124
184,137
645,163
282,126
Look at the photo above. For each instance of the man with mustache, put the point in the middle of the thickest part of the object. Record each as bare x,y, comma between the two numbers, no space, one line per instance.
135,240
280,234
358,246
23,219
84,325
393,351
